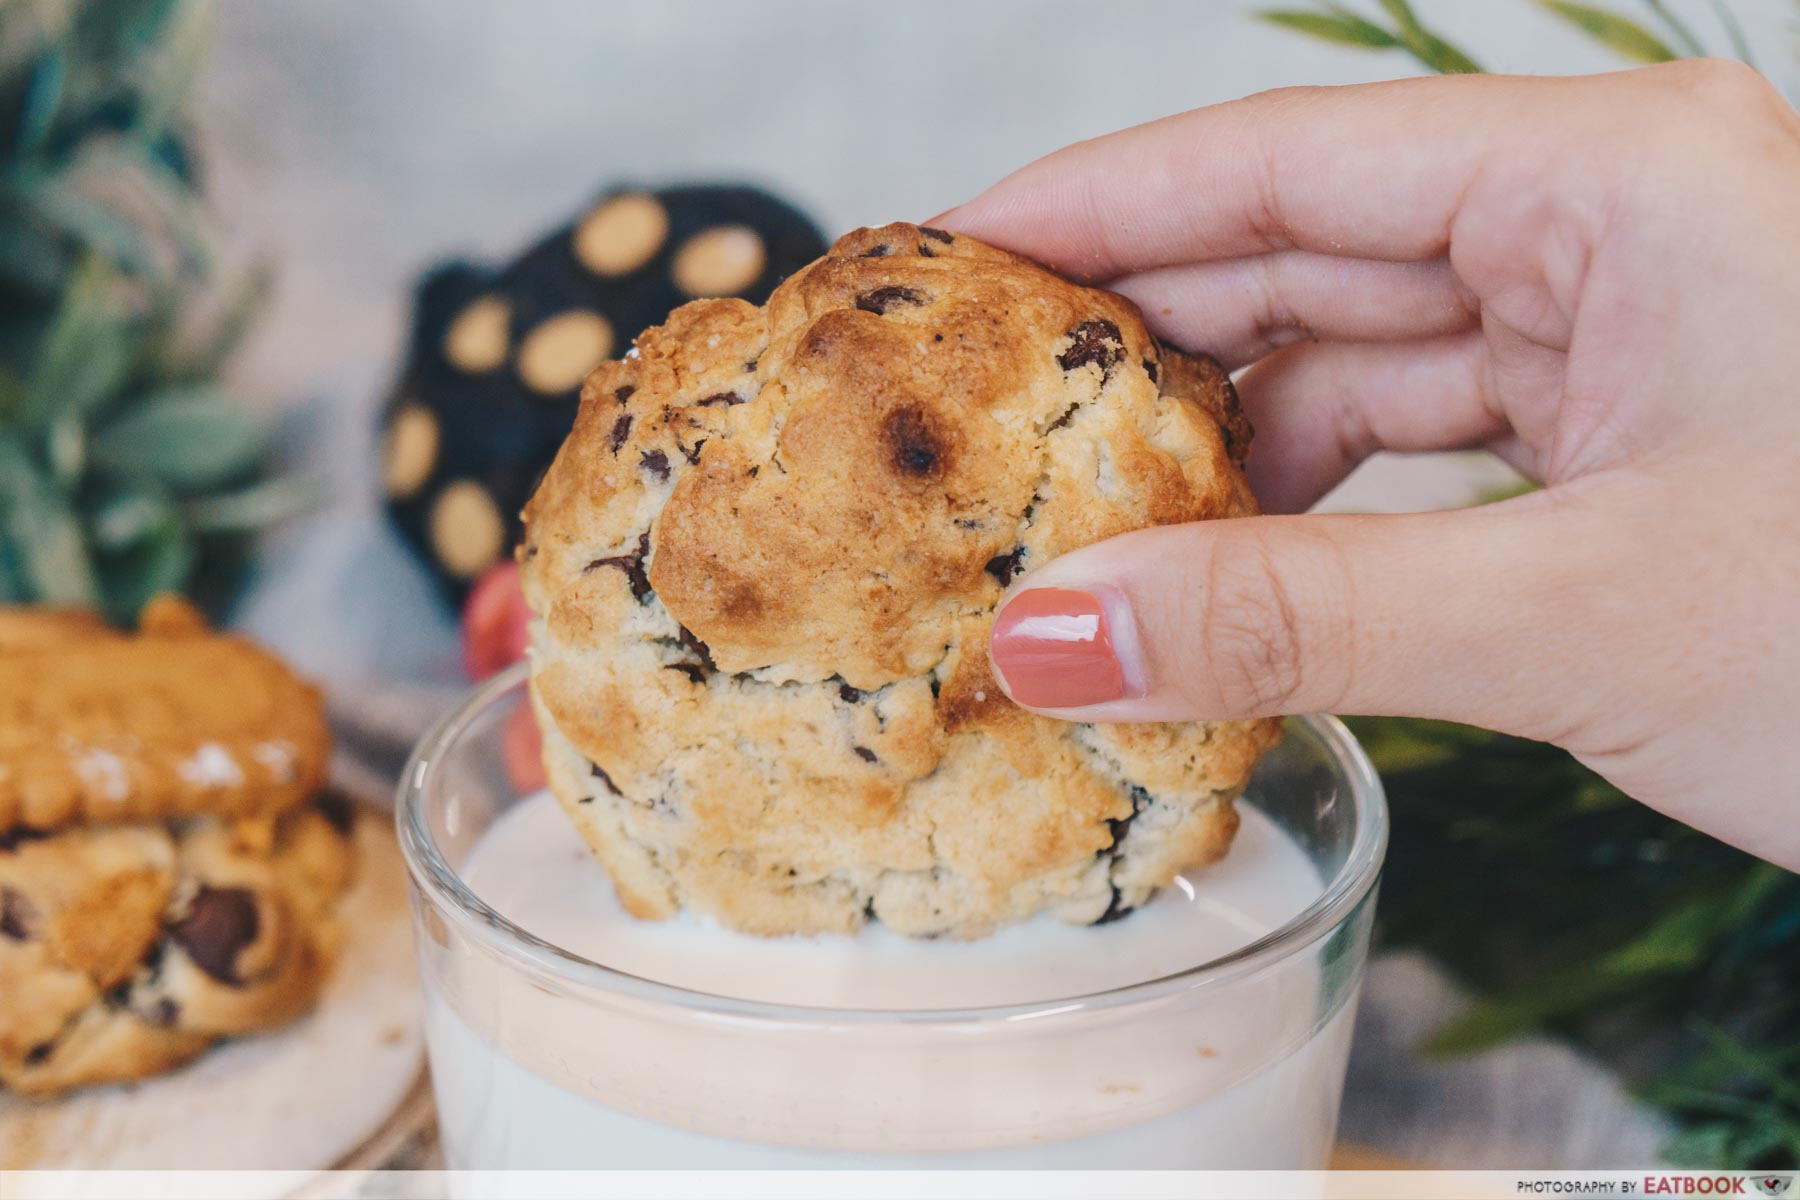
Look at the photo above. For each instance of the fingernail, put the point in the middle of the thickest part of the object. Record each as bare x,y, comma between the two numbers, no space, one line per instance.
1060,648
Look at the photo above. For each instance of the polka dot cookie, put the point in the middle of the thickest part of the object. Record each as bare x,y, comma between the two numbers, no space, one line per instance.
497,356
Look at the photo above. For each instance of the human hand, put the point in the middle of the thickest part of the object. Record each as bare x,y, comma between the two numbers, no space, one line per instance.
1598,278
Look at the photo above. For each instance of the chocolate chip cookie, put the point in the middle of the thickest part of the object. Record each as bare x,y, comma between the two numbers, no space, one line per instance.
766,563
126,950
98,727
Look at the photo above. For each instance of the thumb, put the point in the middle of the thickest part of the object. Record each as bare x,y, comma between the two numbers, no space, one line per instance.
1444,615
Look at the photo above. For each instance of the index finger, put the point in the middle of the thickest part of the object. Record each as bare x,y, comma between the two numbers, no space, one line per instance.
1374,171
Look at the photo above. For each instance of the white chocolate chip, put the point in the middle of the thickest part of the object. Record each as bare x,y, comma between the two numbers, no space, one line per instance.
103,774
211,766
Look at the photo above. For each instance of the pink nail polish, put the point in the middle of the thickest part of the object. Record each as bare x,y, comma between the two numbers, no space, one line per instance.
1059,648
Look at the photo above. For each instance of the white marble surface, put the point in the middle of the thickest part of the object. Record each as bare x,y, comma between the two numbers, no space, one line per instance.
356,142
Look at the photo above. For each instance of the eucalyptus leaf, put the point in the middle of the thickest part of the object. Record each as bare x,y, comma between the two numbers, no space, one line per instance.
126,514
65,448
1683,33
62,205
243,296
1343,28
178,63
186,437
158,187
1618,33
33,260
255,507
43,98
1429,48
84,358
46,536
159,562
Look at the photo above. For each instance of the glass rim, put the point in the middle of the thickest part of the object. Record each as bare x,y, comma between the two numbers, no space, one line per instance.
449,895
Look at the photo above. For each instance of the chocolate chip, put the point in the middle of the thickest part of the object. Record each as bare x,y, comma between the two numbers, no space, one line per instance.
37,1054
751,365
880,251
219,923
1150,369
1004,566
866,754
16,913
163,1013
752,472
622,394
620,431
915,447
657,463
1115,910
926,251
692,453
603,777
698,647
719,400
885,299
848,694
337,809
1140,800
632,565
936,235
12,839
1093,342
693,671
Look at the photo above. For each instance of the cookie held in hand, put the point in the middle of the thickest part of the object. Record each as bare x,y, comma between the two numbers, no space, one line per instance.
767,561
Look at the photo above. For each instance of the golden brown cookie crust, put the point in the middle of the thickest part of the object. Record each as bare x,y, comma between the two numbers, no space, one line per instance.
99,728
127,950
767,561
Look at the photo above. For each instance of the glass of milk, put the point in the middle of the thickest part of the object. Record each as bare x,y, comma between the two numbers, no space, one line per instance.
1209,1028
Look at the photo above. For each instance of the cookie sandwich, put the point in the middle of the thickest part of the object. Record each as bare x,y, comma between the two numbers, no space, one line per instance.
169,860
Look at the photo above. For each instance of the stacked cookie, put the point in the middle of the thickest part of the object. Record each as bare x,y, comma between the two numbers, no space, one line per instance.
168,863
767,561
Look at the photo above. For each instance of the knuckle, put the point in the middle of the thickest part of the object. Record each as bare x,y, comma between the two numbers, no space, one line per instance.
1723,84
1251,644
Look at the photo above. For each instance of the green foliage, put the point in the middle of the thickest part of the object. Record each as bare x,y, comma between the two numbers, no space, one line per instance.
1568,907
1613,31
1334,22
1563,904
124,467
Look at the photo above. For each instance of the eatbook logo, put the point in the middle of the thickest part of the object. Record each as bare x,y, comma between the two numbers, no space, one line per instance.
1774,1185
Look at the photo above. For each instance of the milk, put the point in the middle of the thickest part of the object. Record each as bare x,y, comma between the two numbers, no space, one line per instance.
1240,1072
